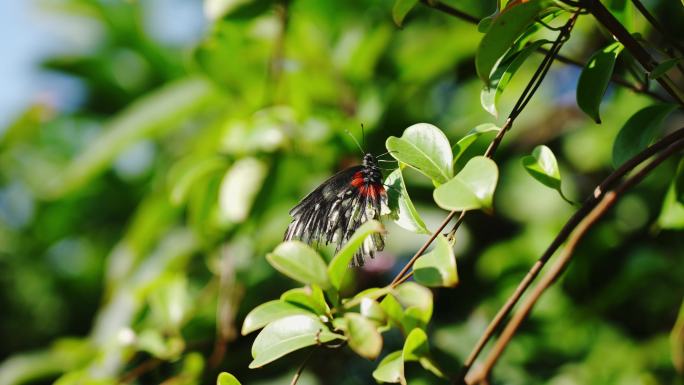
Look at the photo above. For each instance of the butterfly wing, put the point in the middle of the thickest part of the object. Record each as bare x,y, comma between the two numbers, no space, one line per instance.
333,211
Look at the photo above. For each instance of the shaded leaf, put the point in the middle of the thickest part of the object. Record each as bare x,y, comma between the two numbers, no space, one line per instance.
268,312
438,267
372,310
417,303
639,131
391,369
401,9
400,203
339,265
663,67
300,262
393,309
472,188
503,32
286,335
594,79
425,148
462,145
672,212
309,298
679,182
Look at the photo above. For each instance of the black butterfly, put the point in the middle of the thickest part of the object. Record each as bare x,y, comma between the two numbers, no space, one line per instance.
336,208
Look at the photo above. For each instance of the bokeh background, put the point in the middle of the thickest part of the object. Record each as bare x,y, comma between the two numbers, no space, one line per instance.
150,151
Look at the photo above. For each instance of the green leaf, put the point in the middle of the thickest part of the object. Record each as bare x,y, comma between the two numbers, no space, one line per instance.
268,312
401,9
416,348
639,131
363,336
543,167
372,310
672,213
503,32
594,79
188,173
438,267
393,309
286,335
339,264
227,379
417,303
400,203
679,182
472,188
216,9
391,369
309,298
663,67
502,75
300,262
462,145
425,148
239,188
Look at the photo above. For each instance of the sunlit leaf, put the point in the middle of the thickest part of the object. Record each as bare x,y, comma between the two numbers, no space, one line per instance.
227,379
416,348
672,212
407,216
393,309
340,263
308,297
543,167
462,145
239,188
594,79
288,334
372,310
438,267
391,369
401,9
189,172
425,148
417,303
216,9
363,336
639,131
472,188
300,262
503,32
679,182
268,312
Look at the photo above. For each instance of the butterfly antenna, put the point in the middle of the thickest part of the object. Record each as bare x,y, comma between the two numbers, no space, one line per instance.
355,141
363,136
385,153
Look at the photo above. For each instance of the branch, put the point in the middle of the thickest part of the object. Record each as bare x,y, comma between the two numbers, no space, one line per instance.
524,98
298,373
607,20
606,201
564,233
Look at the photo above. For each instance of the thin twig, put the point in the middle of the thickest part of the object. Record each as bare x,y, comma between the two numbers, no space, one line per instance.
606,201
298,373
562,235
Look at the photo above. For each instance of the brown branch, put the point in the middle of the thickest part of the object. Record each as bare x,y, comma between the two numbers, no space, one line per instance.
607,20
564,233
563,59
607,200
298,373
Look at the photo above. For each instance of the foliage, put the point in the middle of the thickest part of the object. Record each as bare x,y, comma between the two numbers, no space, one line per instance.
141,231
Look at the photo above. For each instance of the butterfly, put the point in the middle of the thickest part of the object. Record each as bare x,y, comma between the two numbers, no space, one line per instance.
335,209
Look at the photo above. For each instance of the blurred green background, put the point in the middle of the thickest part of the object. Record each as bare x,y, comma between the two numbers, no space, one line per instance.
150,151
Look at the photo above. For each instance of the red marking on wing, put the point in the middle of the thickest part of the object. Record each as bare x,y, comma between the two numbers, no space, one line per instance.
357,179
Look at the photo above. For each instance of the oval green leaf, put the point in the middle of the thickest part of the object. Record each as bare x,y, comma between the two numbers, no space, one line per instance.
672,213
286,335
639,131
372,310
268,312
227,379
401,9
438,267
663,67
594,79
503,32
393,309
339,264
310,298
391,369
417,303
462,145
405,214
543,167
363,336
425,148
300,262
473,187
